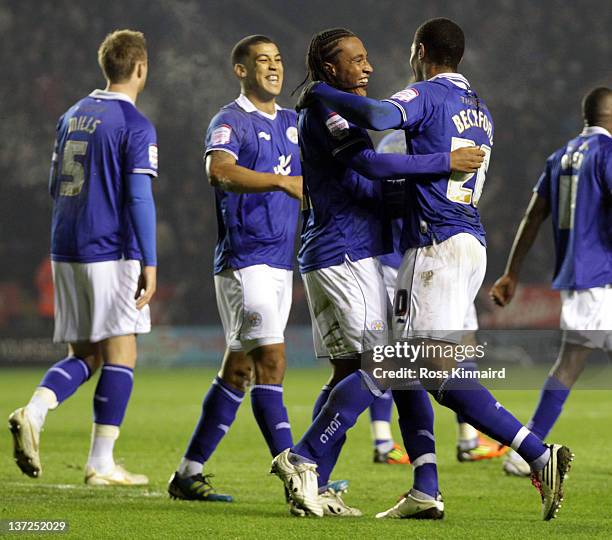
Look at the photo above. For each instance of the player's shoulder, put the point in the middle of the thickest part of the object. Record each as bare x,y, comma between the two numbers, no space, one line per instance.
230,114
134,119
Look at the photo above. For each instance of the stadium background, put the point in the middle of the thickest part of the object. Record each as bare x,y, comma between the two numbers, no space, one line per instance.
532,61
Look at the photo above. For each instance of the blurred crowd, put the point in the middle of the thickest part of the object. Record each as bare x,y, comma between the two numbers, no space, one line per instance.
531,62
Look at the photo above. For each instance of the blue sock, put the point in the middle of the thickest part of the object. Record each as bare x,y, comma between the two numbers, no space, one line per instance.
416,421
467,366
218,413
112,394
64,377
380,411
327,462
271,416
478,406
553,396
349,398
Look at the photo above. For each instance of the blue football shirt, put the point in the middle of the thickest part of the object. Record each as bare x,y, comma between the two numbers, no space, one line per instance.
256,228
343,210
100,140
441,115
577,182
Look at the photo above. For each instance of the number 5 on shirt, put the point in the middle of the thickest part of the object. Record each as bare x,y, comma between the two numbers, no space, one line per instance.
456,190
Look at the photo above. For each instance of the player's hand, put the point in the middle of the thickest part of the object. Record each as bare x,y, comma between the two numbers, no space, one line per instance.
147,284
466,159
503,290
306,98
292,186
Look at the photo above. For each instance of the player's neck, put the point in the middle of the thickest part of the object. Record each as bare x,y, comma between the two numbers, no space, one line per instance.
128,89
432,70
267,106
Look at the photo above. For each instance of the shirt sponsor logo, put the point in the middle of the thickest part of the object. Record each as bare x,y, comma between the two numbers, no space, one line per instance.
153,156
406,95
264,135
284,165
221,135
292,134
337,126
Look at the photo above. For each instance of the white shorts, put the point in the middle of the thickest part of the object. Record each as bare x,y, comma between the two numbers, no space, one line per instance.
254,304
349,307
586,316
437,284
95,301
390,278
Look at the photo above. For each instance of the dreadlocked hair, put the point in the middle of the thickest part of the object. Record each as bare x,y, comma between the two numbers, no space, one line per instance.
323,48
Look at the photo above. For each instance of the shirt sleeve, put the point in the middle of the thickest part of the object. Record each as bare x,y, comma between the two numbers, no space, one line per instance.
54,159
225,134
339,134
542,188
141,149
414,103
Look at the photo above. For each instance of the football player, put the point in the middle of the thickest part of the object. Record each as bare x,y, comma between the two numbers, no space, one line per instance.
252,160
471,445
103,255
576,188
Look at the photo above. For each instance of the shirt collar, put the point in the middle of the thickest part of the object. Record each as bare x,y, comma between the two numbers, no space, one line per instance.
104,94
589,131
456,78
247,105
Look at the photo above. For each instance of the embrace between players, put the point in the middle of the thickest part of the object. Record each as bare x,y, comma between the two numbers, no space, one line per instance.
103,252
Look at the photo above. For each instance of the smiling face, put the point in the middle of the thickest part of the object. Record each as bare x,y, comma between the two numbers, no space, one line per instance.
350,69
262,71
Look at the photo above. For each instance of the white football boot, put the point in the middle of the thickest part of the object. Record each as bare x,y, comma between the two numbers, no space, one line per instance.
411,507
333,505
26,439
300,479
118,476
515,465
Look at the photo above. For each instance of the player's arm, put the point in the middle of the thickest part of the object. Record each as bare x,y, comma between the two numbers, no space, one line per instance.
223,172
362,111
377,166
538,210
141,208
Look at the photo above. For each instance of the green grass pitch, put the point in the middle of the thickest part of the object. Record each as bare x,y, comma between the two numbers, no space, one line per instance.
480,501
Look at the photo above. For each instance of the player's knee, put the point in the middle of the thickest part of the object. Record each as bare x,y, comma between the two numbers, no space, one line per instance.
269,364
238,375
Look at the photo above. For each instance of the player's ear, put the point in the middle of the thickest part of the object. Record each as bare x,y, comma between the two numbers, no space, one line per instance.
330,69
240,71
421,51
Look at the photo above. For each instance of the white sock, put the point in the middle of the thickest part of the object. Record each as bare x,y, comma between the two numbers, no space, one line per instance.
381,430
189,468
467,437
43,399
103,439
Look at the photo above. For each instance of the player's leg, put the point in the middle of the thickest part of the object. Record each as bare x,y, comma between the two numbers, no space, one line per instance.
115,321
555,391
222,400
385,448
437,284
72,324
267,296
472,445
219,409
59,382
342,293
